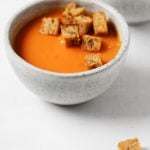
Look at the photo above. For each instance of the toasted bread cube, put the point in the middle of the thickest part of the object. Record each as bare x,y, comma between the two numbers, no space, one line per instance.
130,144
72,10
67,20
50,26
70,34
71,5
93,61
84,22
68,8
77,11
91,43
100,23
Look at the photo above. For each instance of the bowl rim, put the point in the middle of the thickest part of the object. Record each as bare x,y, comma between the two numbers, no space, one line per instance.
124,46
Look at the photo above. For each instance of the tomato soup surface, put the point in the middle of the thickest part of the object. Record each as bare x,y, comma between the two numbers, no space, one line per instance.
49,53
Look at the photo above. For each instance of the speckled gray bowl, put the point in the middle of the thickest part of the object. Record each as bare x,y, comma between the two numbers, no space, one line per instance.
134,11
61,88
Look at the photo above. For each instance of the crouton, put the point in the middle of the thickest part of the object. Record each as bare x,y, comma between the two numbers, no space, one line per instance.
91,43
100,23
130,144
72,10
67,20
50,26
70,33
84,22
93,61
77,11
70,6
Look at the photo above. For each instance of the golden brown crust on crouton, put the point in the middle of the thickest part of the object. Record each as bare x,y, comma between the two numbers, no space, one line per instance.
84,22
91,43
70,34
71,5
93,60
50,26
67,20
130,144
77,11
100,23
72,10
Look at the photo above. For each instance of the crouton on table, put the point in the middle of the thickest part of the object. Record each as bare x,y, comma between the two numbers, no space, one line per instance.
70,34
84,22
100,23
50,26
91,43
93,60
130,144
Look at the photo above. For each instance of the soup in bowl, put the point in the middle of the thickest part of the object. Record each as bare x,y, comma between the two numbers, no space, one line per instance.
67,53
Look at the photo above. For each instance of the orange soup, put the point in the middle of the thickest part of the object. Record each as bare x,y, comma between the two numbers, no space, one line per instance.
49,53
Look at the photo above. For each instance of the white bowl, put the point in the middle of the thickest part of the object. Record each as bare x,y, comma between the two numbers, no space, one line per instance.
134,11
61,88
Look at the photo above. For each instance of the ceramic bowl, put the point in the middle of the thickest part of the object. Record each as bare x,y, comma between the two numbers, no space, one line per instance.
61,88
134,11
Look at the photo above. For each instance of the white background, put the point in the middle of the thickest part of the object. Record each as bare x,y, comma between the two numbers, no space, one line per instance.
28,123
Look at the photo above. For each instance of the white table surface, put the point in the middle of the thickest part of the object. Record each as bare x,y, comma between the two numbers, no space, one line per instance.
28,123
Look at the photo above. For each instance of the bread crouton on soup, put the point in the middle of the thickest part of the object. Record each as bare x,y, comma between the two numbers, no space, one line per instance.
84,22
50,26
71,5
72,10
70,33
77,11
93,61
100,23
91,43
130,144
66,20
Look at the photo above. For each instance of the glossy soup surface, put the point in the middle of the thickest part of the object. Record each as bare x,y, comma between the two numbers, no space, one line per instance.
48,53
